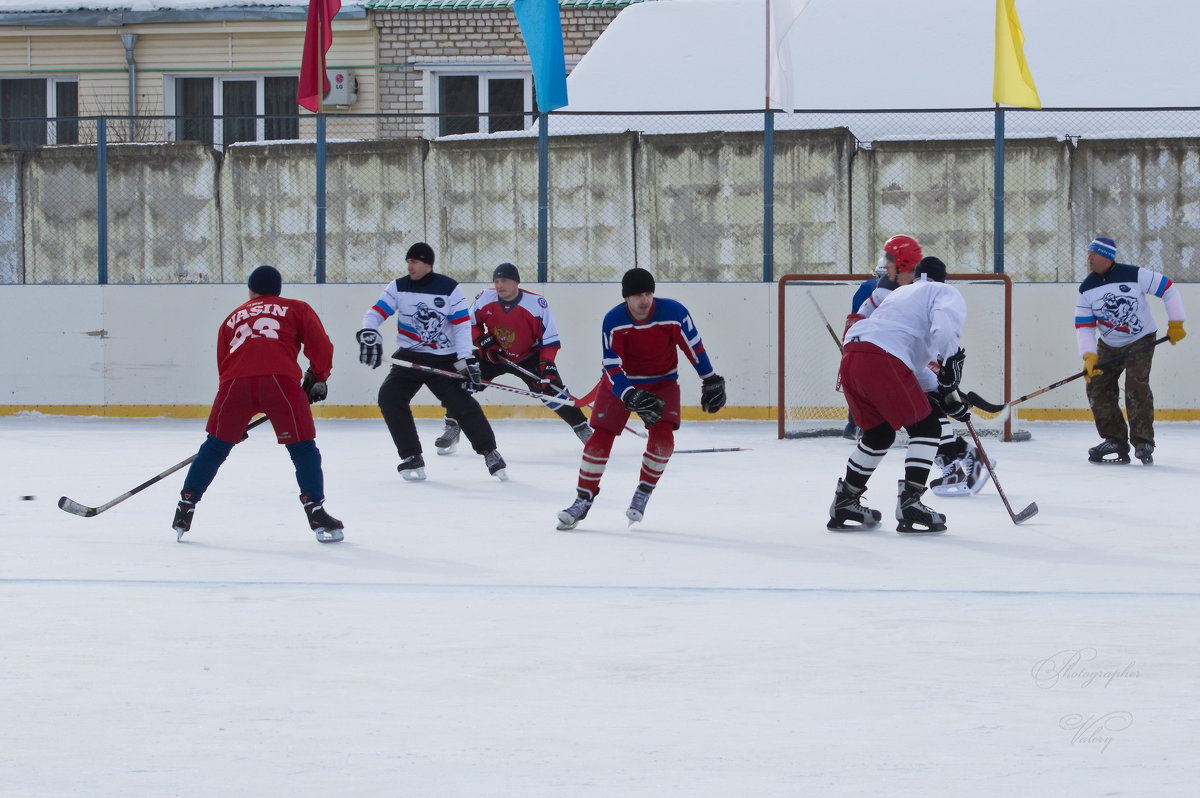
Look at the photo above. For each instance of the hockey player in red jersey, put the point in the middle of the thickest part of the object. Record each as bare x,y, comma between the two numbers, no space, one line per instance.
257,347
514,333
641,340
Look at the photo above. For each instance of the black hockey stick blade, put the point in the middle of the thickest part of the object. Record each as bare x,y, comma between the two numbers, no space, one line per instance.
976,400
1026,514
75,508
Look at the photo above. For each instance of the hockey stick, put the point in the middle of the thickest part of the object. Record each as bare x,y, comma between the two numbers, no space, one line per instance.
706,451
1024,515
828,326
978,401
562,392
549,402
75,508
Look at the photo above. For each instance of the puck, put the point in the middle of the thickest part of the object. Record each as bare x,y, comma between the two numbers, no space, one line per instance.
27,498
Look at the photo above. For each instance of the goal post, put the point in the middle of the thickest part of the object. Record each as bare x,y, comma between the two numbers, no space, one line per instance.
810,402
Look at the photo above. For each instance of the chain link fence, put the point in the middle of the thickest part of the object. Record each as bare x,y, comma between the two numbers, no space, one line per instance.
730,196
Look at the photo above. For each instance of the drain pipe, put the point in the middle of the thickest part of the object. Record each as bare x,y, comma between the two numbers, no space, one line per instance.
129,39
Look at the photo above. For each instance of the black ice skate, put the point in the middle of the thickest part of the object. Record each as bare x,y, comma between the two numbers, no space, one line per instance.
913,516
637,506
570,517
583,431
847,513
412,468
496,465
183,514
327,528
1109,453
1145,453
447,442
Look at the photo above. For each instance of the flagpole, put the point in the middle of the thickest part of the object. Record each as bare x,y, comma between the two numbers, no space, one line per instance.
321,163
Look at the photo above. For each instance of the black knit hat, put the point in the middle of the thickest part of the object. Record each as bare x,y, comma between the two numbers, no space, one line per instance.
420,251
265,280
637,281
506,271
933,268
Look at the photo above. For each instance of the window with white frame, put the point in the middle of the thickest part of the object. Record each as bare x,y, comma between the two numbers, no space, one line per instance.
35,112
226,109
475,98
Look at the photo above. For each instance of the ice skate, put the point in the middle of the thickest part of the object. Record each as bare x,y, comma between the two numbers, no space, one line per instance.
1101,454
637,506
183,514
412,468
914,517
582,431
848,513
1145,453
447,442
496,465
327,528
570,517
962,477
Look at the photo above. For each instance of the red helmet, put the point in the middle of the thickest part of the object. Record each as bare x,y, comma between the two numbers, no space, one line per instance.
905,252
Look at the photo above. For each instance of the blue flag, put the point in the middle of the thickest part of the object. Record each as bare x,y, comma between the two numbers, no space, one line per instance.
541,26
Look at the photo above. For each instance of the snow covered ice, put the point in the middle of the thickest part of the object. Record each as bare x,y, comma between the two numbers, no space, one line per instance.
457,645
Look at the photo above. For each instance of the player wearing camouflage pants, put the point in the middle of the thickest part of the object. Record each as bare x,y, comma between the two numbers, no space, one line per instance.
1103,395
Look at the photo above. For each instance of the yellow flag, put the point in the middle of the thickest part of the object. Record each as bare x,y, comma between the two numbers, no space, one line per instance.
1012,85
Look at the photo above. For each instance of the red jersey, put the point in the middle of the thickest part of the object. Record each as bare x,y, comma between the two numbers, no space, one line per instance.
265,335
523,327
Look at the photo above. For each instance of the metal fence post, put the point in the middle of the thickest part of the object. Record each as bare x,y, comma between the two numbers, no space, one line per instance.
998,199
543,235
321,143
768,268
101,202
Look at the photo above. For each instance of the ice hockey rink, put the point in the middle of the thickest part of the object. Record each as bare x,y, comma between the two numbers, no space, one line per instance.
456,644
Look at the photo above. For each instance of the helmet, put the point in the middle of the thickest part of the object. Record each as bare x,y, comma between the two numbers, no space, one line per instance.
905,252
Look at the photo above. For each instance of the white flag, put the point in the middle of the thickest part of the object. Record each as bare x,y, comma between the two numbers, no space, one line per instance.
782,17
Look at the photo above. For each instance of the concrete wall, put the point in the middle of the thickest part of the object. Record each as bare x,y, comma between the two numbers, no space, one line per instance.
686,206
149,350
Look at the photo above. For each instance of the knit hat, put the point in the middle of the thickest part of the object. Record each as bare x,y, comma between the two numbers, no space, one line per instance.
1104,247
932,268
637,281
506,271
265,280
420,251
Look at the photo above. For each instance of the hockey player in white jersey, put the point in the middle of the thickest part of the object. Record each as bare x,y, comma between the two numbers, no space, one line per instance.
887,383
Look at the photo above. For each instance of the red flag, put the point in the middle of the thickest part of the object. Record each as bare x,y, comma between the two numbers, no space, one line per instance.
317,38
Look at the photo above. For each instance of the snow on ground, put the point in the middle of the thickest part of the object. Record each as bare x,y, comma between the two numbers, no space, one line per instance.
457,645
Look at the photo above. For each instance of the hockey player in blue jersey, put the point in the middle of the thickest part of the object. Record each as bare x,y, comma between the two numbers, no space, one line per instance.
641,341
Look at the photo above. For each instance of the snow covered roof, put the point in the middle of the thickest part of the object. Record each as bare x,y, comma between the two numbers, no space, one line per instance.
120,12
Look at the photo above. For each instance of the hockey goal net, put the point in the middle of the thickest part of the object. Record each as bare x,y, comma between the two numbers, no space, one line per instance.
812,316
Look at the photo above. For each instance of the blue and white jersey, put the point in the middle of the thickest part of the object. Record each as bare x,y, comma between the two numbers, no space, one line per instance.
1114,305
431,315
883,287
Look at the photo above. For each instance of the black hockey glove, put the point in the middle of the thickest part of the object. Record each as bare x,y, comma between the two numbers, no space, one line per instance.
315,389
471,374
954,405
548,374
370,347
489,348
648,406
712,393
950,373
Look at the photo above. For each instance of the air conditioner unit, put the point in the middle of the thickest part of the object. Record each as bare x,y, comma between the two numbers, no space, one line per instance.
343,88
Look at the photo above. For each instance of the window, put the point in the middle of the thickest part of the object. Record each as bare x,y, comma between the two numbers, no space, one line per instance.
250,109
470,102
27,105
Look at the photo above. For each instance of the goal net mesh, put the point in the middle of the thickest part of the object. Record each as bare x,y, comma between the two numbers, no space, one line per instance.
810,403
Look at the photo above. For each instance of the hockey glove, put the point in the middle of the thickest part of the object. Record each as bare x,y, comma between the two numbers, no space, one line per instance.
548,374
1089,367
648,406
712,393
953,404
489,348
370,347
950,374
851,320
471,374
315,389
1175,332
